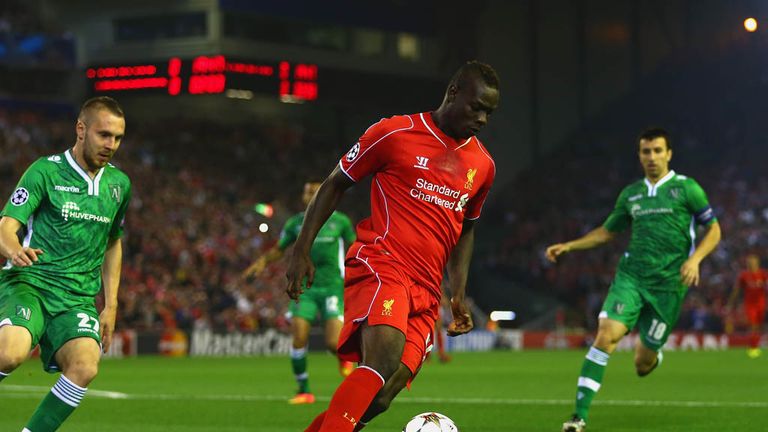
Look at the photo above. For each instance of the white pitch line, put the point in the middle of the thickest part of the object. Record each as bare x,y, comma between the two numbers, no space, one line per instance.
20,391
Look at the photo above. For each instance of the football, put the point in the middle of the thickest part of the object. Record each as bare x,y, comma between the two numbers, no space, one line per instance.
430,422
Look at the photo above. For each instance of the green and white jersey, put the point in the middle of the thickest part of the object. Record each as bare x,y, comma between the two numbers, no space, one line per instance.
663,219
328,250
71,217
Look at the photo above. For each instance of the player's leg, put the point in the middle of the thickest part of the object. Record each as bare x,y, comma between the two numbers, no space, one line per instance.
658,317
384,397
619,314
71,344
303,313
755,316
382,348
418,345
15,342
21,325
333,315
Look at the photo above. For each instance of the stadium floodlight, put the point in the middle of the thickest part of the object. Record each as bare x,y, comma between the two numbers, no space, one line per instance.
502,316
263,228
750,24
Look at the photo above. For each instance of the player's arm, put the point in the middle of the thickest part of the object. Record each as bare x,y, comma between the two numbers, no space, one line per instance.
110,277
735,293
702,213
458,270
689,272
258,266
594,238
319,210
10,247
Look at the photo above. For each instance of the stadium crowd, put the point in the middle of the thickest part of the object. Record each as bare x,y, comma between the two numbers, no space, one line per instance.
192,227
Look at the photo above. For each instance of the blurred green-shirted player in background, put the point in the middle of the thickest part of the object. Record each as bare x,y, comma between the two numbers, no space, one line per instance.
325,299
654,274
71,207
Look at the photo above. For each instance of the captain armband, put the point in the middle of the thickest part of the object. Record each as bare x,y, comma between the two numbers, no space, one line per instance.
704,216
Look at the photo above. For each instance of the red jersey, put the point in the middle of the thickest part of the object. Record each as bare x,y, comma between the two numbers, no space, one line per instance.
425,184
754,284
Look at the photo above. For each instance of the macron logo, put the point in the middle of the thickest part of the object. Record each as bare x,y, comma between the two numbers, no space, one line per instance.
421,163
72,189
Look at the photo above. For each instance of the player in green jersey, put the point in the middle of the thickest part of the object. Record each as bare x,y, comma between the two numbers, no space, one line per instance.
69,209
655,272
326,298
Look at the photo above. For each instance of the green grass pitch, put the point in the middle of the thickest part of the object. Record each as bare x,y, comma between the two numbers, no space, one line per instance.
481,392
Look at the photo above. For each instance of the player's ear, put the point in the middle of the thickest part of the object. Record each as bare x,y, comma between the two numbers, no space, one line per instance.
80,129
452,91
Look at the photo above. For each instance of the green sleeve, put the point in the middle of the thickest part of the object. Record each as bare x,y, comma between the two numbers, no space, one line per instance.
698,204
118,225
289,233
27,196
348,232
619,219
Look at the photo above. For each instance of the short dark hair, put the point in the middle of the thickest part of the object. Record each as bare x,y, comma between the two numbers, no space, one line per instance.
101,102
473,69
652,133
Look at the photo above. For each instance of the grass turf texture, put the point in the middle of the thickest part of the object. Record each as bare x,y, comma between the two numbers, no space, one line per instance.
496,391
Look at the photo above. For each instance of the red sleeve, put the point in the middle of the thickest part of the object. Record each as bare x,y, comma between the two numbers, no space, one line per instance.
475,206
372,150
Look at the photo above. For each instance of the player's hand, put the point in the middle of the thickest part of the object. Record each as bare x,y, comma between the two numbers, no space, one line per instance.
556,250
462,319
107,326
689,272
25,257
254,269
299,267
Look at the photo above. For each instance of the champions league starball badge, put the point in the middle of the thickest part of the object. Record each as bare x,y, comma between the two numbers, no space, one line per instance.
20,196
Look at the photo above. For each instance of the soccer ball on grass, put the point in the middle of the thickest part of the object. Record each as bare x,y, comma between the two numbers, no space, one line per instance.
430,422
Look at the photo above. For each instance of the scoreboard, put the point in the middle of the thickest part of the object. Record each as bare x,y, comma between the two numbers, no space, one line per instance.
297,82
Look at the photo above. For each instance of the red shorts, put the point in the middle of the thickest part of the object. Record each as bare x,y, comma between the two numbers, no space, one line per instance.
755,312
378,291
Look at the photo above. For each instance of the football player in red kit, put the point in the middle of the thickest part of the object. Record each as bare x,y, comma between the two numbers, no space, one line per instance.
431,176
754,282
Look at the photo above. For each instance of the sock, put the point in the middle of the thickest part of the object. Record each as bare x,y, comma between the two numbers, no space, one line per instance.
591,377
299,364
3,375
754,340
316,423
57,405
440,341
360,425
351,399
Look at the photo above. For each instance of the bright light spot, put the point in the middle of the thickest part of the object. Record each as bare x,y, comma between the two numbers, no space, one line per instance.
502,316
750,24
263,228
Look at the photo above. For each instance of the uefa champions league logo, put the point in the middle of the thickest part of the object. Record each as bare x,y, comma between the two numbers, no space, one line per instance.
68,207
353,152
20,197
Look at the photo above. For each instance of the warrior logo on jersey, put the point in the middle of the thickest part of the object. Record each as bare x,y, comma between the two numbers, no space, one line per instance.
20,197
470,178
114,192
353,152
675,192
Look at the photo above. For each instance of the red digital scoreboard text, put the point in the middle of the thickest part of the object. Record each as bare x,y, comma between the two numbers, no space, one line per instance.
208,75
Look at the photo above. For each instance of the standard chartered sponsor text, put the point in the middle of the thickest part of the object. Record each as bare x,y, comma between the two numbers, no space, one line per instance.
421,185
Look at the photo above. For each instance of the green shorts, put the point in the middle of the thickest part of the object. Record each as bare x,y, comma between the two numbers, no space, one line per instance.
51,319
654,311
326,302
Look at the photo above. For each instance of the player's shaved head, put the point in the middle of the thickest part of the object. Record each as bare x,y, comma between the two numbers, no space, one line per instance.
474,70
99,103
